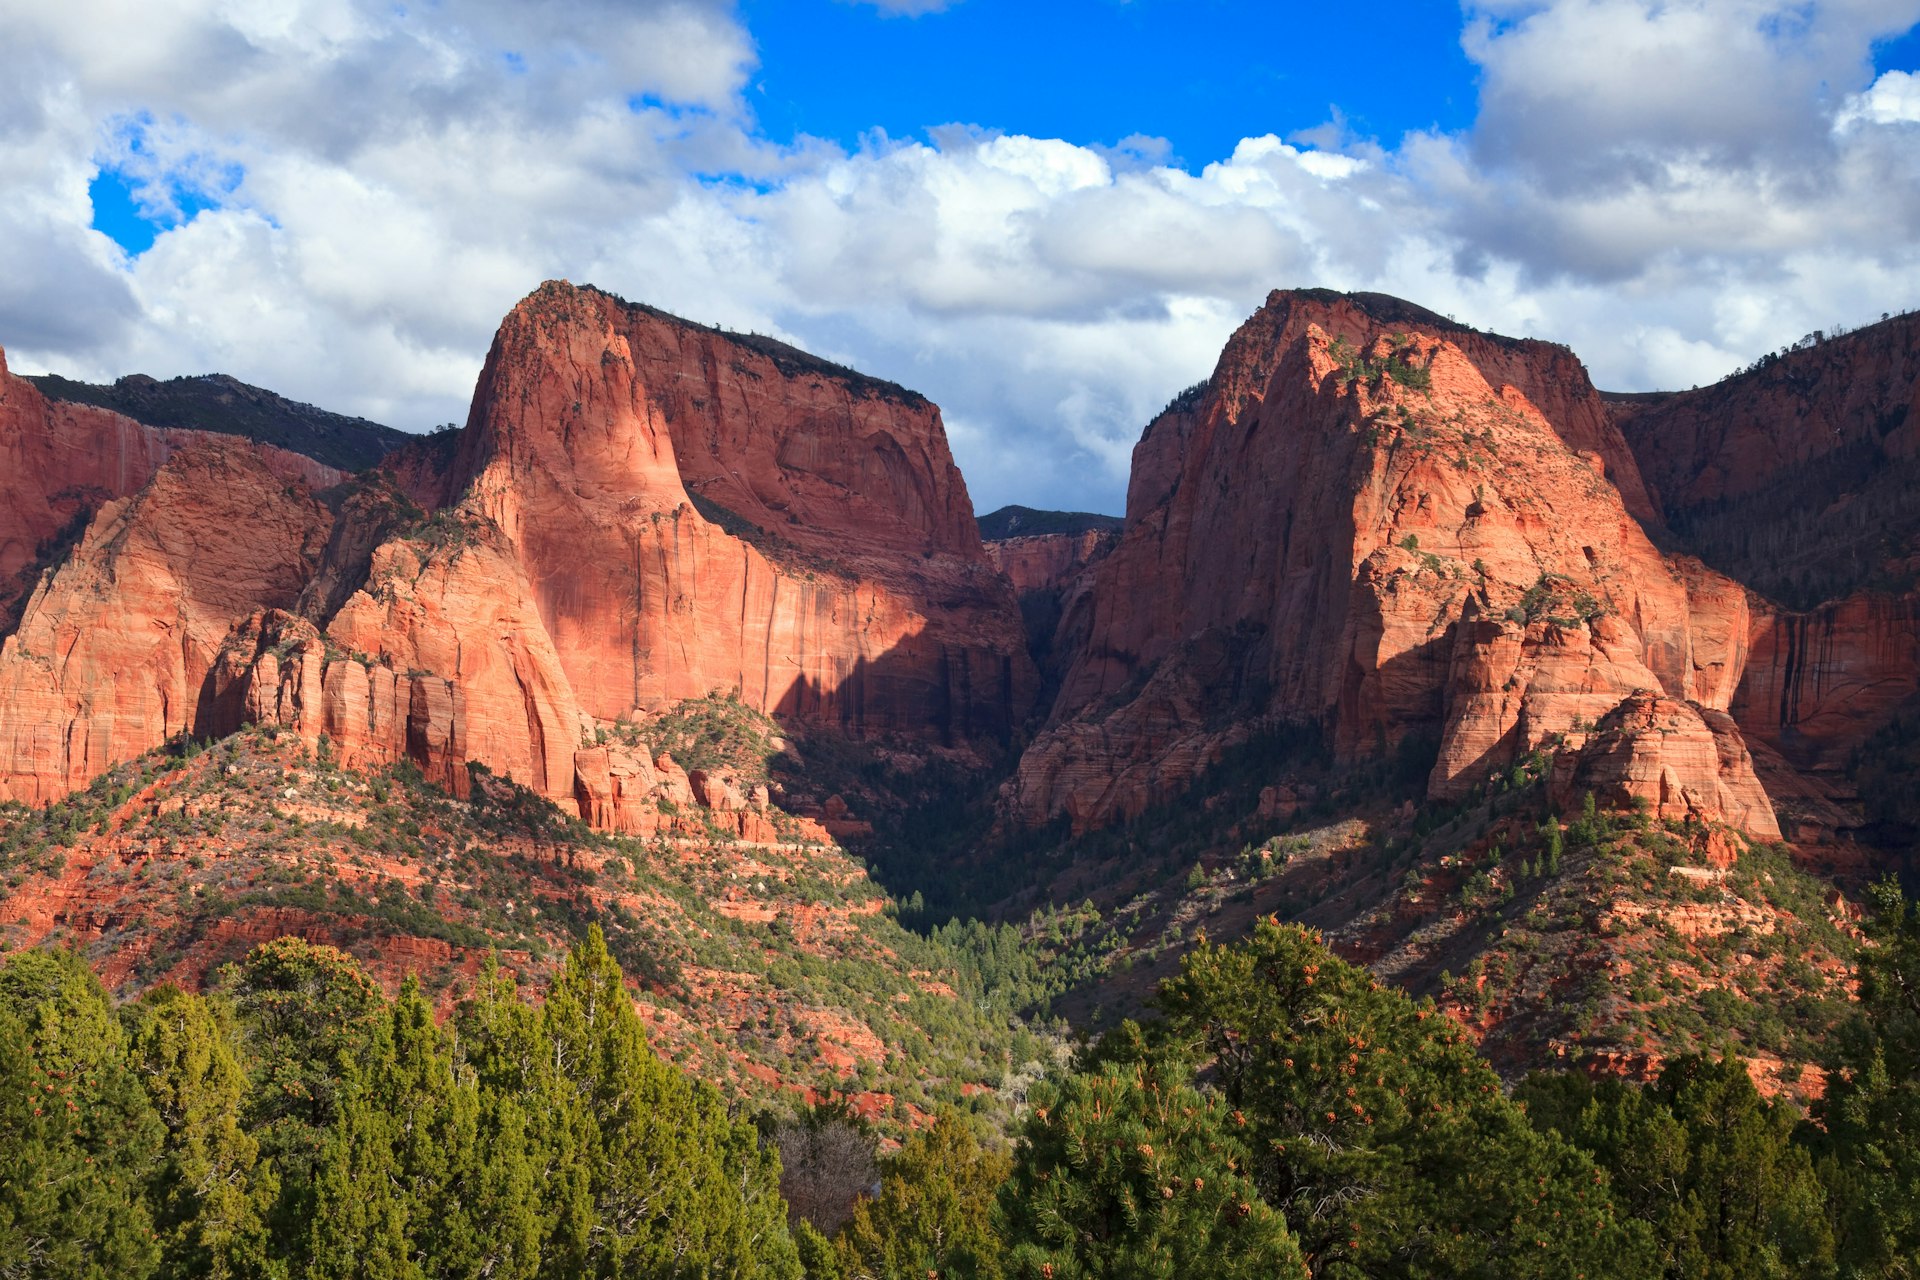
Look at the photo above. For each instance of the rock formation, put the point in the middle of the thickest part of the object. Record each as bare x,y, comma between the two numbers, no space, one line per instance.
641,510
696,511
1681,761
1048,562
115,644
1379,522
60,461
1801,477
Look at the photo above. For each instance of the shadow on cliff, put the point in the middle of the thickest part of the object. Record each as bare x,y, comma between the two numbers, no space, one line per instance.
965,702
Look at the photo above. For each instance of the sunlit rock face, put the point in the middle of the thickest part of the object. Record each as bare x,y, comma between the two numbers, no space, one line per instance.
1376,521
640,510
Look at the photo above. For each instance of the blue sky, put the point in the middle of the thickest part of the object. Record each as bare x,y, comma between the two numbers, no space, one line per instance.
1201,74
1048,217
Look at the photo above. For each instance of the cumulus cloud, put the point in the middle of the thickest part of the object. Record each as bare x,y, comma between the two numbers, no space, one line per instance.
1670,187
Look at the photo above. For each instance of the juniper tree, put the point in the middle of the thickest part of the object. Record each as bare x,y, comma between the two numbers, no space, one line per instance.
934,1212
1126,1173
1375,1128
209,1198
79,1142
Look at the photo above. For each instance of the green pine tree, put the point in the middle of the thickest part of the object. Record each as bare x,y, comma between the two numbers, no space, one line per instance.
80,1144
1125,1173
1869,1135
934,1213
1705,1160
304,1012
208,1201
1388,1143
644,1172
456,1196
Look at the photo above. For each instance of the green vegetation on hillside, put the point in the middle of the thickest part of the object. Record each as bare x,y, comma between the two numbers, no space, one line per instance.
770,967
1026,522
1286,1115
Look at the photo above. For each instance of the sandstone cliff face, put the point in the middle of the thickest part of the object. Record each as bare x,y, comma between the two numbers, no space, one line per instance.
491,601
1820,683
835,577
1743,435
59,462
1801,476
1376,521
1048,562
115,645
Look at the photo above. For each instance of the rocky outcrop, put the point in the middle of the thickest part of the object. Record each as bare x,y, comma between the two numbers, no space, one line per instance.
641,510
1682,761
115,645
1820,683
1789,413
59,462
1048,562
1374,520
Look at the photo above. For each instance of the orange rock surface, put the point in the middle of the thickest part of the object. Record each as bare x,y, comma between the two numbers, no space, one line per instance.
1818,684
1454,550
1682,761
1048,561
567,578
60,461
114,647
843,582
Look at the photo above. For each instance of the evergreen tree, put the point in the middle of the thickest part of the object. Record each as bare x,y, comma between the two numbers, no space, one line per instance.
504,1043
79,1142
818,1259
1388,1143
1125,1173
655,1178
934,1213
1869,1139
304,1013
1705,1160
207,1200
455,1194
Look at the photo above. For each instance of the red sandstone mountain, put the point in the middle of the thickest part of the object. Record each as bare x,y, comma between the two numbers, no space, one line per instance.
641,510
1801,478
1374,520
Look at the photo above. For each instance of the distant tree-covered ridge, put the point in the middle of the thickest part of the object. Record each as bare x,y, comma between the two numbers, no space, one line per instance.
1026,522
215,402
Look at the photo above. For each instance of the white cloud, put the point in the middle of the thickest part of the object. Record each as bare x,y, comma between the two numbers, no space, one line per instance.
1671,188
1893,99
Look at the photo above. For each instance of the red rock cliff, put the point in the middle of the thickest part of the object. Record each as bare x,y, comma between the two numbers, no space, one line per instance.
115,645
696,511
1374,520
641,510
60,461
1801,476
1048,561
